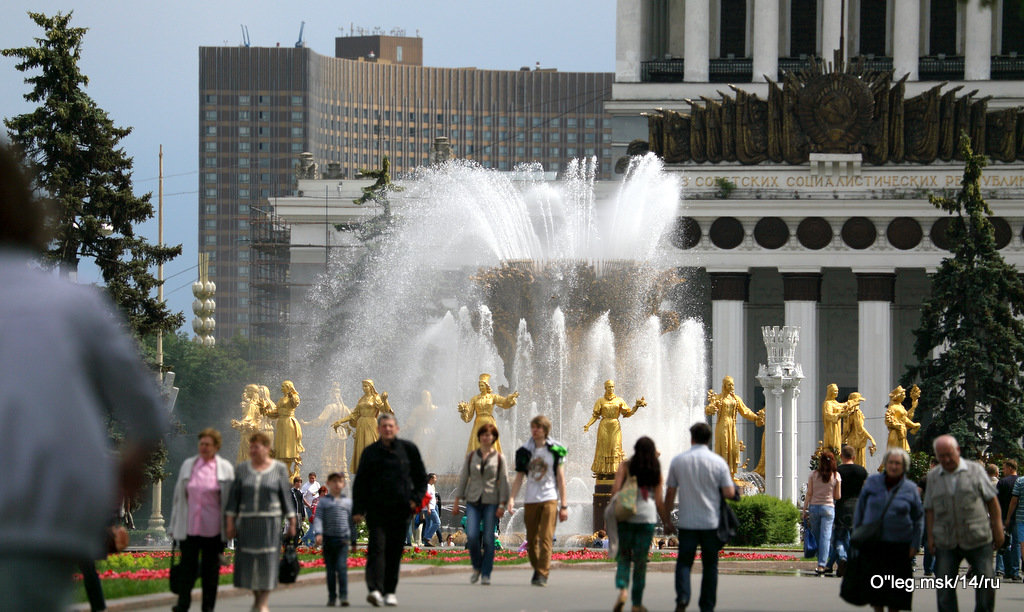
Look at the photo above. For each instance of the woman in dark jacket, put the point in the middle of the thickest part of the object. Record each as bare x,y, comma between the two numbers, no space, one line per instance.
901,530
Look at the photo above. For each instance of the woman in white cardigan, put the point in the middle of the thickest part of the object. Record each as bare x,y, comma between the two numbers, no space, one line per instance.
197,516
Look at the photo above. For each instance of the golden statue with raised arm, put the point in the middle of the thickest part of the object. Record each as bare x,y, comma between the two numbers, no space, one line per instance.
832,414
333,457
266,407
727,405
854,433
609,407
482,406
251,421
287,431
364,419
899,420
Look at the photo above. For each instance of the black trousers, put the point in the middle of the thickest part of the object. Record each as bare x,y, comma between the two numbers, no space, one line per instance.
210,549
93,588
384,552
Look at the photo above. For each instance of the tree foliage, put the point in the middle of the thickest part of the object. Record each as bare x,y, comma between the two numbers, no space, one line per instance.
74,151
970,344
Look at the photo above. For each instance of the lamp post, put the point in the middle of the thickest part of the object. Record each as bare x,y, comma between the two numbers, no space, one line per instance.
781,381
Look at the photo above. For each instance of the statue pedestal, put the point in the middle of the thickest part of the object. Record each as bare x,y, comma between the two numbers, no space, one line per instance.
602,495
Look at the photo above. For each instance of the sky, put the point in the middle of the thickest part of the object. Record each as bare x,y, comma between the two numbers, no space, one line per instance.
142,60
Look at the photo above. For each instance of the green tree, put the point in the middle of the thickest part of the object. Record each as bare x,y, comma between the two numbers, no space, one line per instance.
74,151
970,345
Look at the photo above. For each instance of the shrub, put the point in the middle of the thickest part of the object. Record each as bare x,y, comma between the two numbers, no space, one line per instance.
765,520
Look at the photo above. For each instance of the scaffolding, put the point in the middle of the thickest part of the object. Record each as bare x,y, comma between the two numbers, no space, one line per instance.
269,288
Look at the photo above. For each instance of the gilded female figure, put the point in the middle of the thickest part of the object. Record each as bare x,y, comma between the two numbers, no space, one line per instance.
482,406
287,431
727,405
899,420
854,433
333,458
251,421
266,406
832,413
609,407
364,419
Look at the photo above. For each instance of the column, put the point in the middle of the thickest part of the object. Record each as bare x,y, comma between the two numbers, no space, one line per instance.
766,40
831,26
781,381
906,39
802,292
156,517
875,294
696,41
729,293
977,41
628,40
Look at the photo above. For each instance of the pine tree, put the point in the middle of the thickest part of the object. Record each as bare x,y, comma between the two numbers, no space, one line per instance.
74,151
970,345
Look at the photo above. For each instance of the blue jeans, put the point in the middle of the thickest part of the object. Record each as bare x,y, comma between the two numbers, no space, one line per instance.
480,538
822,518
309,538
335,554
947,564
431,525
709,547
1008,561
840,545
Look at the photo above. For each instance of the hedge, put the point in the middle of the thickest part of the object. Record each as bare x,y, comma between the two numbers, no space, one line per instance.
764,519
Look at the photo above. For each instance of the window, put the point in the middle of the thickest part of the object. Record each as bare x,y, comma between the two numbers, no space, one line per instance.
555,152
263,146
211,130
243,193
296,147
570,137
264,162
520,152
210,147
502,150
210,177
264,193
210,224
244,131
243,224
487,135
537,152
487,119
244,115
503,165
243,209
555,122
455,118
536,137
244,147
412,117
210,239
243,162
503,121
243,301
606,137
243,256
263,116
588,137
590,122
469,134
570,151
242,286
244,100
520,121
243,178
265,177
211,209
398,131
570,122
520,136
210,115
210,192
209,162
536,122
296,100
243,317
398,53
210,99
469,119
263,131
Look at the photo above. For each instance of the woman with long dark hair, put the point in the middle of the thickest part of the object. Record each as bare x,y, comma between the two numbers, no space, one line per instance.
483,484
636,532
823,489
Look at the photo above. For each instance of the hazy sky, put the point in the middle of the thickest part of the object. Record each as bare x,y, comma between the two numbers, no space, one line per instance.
141,58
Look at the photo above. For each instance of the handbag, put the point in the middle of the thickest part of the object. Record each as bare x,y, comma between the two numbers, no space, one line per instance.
179,582
856,583
728,523
625,500
871,532
288,569
810,541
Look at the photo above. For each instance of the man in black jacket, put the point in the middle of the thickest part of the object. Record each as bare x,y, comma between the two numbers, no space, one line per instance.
388,489
297,507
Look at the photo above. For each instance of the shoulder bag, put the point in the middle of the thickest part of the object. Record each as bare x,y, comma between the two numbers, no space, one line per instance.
872,532
728,523
288,569
178,580
625,500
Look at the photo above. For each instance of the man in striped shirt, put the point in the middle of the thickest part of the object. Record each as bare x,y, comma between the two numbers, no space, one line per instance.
333,528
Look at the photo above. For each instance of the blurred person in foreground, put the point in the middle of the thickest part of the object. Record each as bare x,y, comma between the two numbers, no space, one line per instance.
70,371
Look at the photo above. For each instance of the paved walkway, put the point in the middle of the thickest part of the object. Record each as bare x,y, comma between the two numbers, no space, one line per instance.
571,588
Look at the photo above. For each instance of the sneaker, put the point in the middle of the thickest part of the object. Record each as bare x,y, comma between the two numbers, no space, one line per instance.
536,578
344,603
375,599
390,600
474,577
486,580
999,574
331,602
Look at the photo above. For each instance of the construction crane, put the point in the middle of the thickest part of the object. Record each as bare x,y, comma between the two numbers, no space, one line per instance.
299,43
245,36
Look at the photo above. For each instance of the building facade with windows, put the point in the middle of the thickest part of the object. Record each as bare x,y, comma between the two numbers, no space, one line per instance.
260,107
805,185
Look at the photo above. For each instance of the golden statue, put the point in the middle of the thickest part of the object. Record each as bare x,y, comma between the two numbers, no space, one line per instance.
333,458
727,405
482,405
364,419
420,425
760,421
832,413
899,420
266,407
854,433
251,421
609,407
287,431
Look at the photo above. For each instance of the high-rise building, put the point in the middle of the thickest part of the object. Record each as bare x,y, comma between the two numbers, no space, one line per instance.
261,107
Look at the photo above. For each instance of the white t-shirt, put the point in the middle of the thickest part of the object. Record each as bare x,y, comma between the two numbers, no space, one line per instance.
310,491
540,477
433,497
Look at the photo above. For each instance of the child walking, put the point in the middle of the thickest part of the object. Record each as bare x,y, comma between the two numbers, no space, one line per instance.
333,527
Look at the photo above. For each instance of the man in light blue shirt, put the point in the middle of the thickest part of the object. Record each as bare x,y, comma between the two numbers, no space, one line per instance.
704,476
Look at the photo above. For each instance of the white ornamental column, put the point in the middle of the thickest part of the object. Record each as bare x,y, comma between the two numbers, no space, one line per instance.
907,38
729,292
831,26
802,293
766,40
977,41
781,381
628,40
875,294
696,41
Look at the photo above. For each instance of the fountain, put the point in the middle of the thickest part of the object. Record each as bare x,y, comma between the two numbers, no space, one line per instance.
546,287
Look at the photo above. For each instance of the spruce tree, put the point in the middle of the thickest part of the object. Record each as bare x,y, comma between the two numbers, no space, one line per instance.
75,155
970,345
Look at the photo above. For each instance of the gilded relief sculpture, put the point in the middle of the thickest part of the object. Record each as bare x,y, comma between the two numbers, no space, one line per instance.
854,433
727,406
251,421
899,420
364,420
287,430
608,408
333,457
480,410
